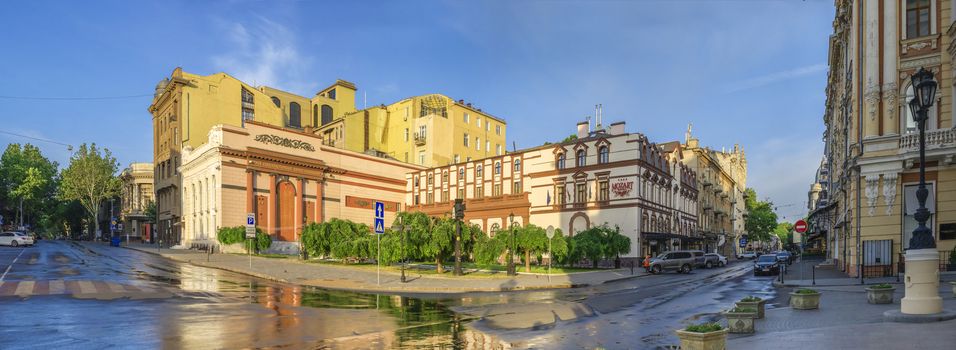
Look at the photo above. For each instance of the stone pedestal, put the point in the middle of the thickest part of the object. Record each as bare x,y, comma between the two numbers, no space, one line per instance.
922,283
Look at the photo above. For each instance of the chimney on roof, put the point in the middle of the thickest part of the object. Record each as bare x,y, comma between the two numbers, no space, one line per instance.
584,128
617,128
468,104
461,101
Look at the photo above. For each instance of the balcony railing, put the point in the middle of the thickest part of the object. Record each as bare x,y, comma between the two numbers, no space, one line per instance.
941,138
419,139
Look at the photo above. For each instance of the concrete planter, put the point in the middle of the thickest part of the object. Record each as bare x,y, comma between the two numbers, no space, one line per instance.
805,301
759,305
740,322
235,248
702,341
879,295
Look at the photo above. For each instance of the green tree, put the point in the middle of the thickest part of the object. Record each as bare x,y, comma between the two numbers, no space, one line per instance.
762,220
615,243
530,240
90,178
784,231
571,137
559,246
28,182
439,245
588,244
150,212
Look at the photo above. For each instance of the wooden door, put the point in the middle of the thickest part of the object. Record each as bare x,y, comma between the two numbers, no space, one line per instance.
286,210
309,212
262,213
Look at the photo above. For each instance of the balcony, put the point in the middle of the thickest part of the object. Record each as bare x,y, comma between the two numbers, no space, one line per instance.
935,139
419,139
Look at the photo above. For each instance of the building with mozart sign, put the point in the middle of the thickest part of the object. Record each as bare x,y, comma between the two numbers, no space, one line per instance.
606,176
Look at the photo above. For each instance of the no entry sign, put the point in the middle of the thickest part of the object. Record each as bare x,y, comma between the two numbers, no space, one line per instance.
800,226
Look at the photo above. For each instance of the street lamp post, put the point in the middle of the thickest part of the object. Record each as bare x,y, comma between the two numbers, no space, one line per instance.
511,252
922,259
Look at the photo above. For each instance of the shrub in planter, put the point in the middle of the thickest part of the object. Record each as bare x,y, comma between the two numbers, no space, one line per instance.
754,303
741,319
707,336
237,234
880,294
805,299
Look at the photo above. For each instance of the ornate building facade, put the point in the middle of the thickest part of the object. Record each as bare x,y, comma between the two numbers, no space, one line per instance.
135,197
871,142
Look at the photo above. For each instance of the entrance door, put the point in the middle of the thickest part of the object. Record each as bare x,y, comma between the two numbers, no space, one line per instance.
262,213
286,211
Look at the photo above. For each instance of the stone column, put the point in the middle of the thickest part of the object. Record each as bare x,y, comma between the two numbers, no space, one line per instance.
922,283
250,191
319,202
871,69
271,220
891,101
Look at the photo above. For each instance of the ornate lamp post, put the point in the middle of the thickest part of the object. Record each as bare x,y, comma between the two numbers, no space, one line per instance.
922,260
511,252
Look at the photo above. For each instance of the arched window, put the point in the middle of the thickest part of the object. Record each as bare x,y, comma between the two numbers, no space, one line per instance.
494,229
326,114
580,158
461,173
295,115
559,162
276,101
315,116
497,168
517,165
603,155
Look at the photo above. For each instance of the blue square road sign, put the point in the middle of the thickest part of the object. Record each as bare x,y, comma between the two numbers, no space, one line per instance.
379,226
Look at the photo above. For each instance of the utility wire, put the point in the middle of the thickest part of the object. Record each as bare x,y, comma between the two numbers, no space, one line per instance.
43,98
35,138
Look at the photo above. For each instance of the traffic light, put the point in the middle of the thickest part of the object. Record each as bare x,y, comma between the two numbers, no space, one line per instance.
459,209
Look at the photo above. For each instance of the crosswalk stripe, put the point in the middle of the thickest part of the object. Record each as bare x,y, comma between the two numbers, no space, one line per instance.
57,287
25,288
86,287
116,288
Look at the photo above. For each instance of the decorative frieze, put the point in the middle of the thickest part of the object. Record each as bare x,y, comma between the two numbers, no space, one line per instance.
285,142
889,191
891,109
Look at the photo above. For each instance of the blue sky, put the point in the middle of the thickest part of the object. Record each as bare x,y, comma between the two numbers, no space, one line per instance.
747,72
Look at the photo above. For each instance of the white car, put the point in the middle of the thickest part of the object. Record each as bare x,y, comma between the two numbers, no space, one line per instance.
721,260
15,239
747,255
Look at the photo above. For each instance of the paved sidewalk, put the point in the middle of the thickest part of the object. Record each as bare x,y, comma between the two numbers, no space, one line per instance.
846,321
803,274
292,270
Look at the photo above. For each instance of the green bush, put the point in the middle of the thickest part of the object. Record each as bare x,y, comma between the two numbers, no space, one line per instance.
704,327
237,234
750,299
806,291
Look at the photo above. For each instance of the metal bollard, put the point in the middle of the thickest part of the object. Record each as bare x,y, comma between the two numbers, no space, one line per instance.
814,274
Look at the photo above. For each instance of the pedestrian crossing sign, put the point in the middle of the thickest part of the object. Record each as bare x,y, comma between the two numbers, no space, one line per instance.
379,226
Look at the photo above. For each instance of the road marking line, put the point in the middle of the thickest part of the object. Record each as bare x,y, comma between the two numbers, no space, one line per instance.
24,289
11,265
86,287
57,287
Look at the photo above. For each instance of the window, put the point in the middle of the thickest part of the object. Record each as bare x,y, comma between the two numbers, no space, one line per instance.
275,100
247,96
517,187
421,158
326,114
497,150
444,177
559,194
496,190
466,117
406,113
604,193
406,137
497,129
457,159
580,158
477,143
466,139
444,196
295,115
331,94
461,193
478,171
559,163
416,200
248,114
497,168
478,122
910,204
431,179
517,165
487,125
917,18
487,146
461,173
479,192
422,131
416,181
603,155
580,192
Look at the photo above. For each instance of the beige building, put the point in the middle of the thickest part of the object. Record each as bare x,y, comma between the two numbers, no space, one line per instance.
135,196
723,180
605,176
286,178
871,141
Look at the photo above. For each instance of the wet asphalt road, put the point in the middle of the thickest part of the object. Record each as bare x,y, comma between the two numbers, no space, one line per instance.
67,295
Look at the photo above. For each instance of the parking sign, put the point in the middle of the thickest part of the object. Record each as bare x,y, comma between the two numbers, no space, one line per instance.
250,225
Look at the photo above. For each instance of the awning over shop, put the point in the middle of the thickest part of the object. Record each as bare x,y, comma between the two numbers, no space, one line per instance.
663,235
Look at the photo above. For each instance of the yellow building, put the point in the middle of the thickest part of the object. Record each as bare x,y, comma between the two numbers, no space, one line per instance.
424,130
429,130
872,152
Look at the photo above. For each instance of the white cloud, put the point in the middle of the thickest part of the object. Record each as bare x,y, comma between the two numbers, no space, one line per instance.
783,169
773,78
265,53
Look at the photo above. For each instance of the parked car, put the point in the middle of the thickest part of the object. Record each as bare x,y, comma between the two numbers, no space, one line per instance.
785,257
747,255
681,261
699,259
767,265
714,259
15,239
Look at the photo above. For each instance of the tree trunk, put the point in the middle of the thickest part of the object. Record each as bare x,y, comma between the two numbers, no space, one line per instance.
594,263
96,224
438,267
527,261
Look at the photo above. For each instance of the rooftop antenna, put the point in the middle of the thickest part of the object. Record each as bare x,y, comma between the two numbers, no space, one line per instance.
514,146
589,124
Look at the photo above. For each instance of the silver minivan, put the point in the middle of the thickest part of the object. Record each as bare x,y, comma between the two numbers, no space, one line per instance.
681,261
